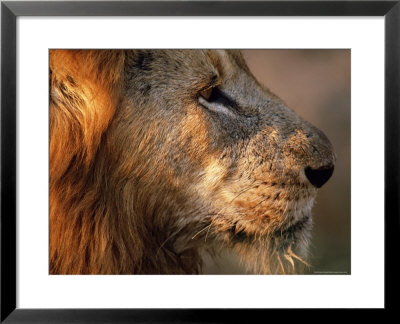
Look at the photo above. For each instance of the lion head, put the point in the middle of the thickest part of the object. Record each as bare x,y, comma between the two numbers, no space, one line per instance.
157,155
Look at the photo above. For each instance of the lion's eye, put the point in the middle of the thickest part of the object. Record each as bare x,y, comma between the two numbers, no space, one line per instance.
206,94
214,99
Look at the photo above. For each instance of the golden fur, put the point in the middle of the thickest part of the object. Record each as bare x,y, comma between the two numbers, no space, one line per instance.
156,155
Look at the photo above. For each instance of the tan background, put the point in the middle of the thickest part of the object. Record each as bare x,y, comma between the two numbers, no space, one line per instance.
315,84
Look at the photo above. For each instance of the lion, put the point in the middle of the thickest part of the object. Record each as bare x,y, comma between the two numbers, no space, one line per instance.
157,156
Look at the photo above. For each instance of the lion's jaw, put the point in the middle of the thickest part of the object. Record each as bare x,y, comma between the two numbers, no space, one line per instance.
267,225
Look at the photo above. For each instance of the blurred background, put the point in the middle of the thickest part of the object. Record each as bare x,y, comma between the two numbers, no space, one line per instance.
316,85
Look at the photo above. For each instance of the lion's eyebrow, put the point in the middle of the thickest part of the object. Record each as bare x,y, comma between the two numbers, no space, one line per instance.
213,82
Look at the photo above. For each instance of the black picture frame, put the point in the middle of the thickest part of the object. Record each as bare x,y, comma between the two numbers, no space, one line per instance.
11,10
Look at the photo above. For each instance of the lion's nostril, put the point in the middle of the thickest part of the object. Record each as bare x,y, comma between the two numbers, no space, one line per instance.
318,177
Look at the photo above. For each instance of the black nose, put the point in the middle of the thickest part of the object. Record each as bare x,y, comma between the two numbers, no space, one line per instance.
318,177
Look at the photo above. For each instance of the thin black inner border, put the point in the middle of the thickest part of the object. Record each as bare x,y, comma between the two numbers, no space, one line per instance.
11,10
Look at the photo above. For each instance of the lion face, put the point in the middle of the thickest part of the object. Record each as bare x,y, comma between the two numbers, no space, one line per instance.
158,154
214,158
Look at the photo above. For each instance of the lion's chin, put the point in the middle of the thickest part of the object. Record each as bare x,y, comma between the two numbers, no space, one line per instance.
283,251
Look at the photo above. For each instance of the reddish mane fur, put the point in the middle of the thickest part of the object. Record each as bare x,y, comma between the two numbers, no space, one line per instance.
85,91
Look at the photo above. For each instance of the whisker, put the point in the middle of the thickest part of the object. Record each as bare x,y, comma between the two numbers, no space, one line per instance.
281,264
293,255
288,257
201,230
205,240
166,240
243,191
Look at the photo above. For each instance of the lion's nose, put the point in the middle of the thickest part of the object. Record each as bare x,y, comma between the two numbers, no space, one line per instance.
318,177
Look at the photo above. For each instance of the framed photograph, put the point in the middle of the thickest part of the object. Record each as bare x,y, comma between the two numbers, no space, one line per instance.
162,158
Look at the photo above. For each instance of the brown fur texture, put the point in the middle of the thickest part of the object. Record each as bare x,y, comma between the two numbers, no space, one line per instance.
157,155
